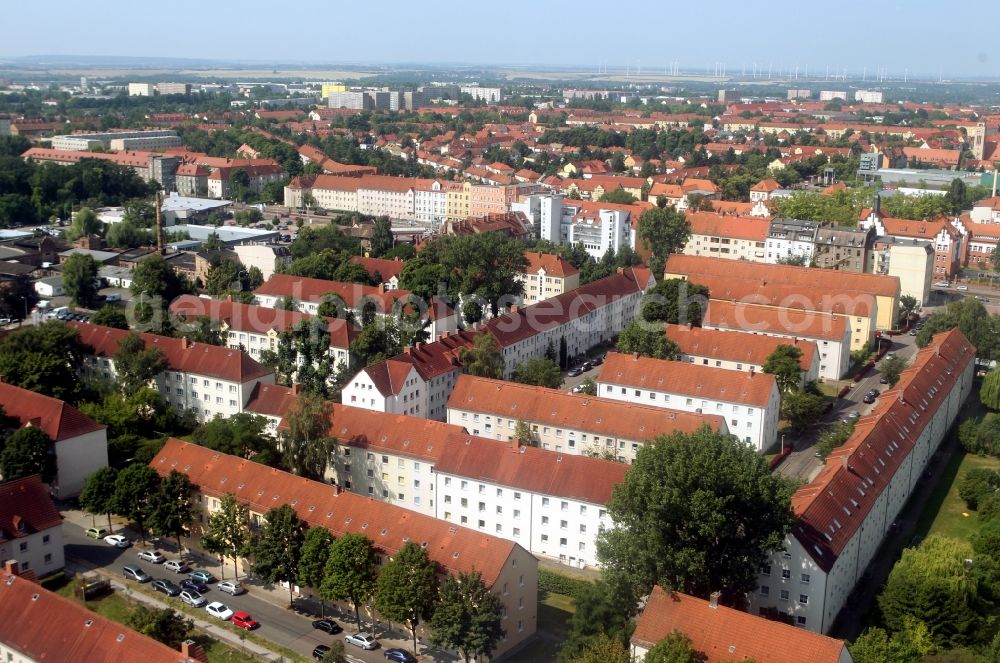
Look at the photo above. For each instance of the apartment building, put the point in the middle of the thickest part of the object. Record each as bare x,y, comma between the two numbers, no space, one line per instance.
552,504
309,293
830,333
509,570
207,380
259,176
546,276
739,351
272,402
575,424
869,301
79,443
732,237
789,239
980,240
598,226
750,401
843,249
30,527
725,634
406,198
151,140
948,241
388,271
255,329
911,261
844,514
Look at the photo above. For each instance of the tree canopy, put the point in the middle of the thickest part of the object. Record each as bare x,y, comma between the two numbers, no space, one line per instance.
407,588
351,572
647,340
80,279
541,372
28,451
467,616
969,315
279,546
784,364
135,364
43,358
677,301
484,359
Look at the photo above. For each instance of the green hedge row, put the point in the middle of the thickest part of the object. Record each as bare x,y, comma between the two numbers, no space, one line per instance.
559,584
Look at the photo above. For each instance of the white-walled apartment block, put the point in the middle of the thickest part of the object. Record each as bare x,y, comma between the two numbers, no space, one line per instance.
790,238
507,569
739,351
206,380
152,140
845,512
566,423
552,504
30,527
750,402
721,236
546,276
830,333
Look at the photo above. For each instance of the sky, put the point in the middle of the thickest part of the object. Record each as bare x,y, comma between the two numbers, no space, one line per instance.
916,36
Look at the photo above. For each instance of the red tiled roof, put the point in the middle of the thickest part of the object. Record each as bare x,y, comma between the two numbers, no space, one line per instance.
742,316
57,419
723,634
735,227
832,507
131,159
271,400
43,626
530,468
313,290
453,548
735,345
389,376
181,355
26,508
554,407
552,264
241,317
678,377
386,268
766,185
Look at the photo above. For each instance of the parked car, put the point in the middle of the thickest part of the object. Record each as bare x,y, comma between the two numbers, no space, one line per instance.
245,621
117,540
574,372
868,399
5,321
941,284
231,587
167,587
914,332
883,380
586,366
194,585
135,573
597,361
363,640
400,656
961,287
578,388
153,556
202,576
177,566
192,598
97,532
219,610
327,625
320,652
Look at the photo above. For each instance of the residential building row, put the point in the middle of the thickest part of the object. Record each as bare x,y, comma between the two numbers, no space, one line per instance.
844,514
30,528
507,569
547,275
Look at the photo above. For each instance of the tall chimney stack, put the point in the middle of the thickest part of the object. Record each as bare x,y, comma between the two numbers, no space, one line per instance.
159,225
713,599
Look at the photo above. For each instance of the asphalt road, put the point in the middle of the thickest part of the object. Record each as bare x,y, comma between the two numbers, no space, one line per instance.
277,624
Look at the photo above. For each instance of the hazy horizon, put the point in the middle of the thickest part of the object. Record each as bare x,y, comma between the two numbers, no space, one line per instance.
892,37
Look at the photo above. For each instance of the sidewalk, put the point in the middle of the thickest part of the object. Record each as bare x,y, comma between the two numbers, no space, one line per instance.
389,635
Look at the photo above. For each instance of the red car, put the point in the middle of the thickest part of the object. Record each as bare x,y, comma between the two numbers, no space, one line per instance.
244,620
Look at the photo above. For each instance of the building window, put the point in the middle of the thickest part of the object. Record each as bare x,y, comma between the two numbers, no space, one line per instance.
800,620
765,569
804,599
784,595
786,574
765,590
805,578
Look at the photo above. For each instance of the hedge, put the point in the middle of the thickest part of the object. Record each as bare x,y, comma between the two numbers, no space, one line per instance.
556,583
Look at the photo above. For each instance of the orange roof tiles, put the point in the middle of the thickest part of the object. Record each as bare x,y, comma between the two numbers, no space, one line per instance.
723,634
678,377
741,316
385,268
766,185
532,469
832,507
735,345
57,419
43,626
271,400
735,227
554,407
312,290
454,548
25,508
552,264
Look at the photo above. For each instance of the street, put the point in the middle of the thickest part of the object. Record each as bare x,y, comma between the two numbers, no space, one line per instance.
267,604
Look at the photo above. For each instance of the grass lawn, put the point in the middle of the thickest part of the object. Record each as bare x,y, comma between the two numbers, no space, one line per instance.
554,611
829,389
943,514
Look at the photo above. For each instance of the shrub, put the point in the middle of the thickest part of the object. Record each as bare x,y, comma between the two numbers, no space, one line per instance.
556,583
977,485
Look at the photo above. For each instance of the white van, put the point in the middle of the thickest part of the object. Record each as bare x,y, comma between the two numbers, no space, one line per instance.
112,297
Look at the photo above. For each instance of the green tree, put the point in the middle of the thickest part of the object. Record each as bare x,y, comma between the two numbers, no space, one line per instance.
228,532
977,484
663,231
604,607
17,297
877,646
302,356
306,444
336,653
647,340
802,409
784,363
933,584
588,387
698,513
376,342
422,277
278,547
135,491
161,624
467,617
975,322
172,511
677,301
351,572
618,196
313,558
80,279
407,588
155,284
488,265
381,240
833,437
243,434
603,649
892,368
98,495
109,316
135,365
85,223
675,648
26,452
989,392
522,433
484,358
540,372
43,358
908,305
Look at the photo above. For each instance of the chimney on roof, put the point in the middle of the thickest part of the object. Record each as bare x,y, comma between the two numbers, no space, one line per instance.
11,567
407,350
844,461
713,599
753,371
515,445
185,342
295,389
336,489
381,287
192,651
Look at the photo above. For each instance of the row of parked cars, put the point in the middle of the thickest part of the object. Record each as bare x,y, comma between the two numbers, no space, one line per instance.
584,367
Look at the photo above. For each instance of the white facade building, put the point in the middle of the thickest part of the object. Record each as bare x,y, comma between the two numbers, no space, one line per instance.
791,238
30,527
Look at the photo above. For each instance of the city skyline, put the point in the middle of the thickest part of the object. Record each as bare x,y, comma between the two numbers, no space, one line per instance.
657,39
